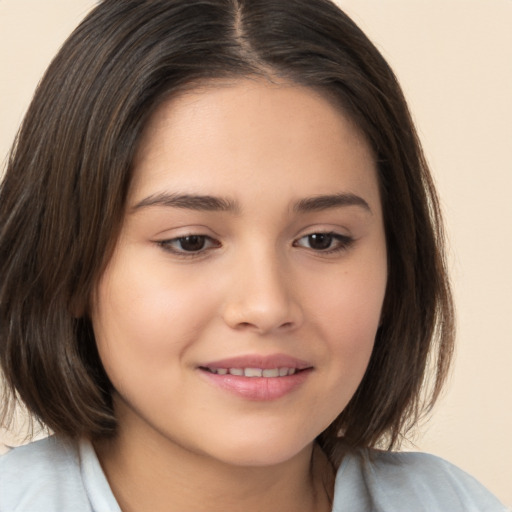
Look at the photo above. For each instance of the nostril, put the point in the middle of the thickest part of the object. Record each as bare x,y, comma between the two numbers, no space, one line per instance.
261,314
248,325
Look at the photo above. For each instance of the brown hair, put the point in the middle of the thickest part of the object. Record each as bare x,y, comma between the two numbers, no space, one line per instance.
62,199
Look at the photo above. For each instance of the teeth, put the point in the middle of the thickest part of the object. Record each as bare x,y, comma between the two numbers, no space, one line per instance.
255,372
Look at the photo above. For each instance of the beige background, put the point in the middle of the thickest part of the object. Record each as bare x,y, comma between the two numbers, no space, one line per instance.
454,59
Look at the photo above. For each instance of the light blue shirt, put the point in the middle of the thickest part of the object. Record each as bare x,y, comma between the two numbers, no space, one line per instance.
53,475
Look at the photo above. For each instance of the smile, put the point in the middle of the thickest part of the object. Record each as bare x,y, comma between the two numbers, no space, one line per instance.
258,377
254,372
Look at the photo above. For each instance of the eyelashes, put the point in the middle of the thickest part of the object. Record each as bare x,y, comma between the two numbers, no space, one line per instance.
324,242
189,245
195,245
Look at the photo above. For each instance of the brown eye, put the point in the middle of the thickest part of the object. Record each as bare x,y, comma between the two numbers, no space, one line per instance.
324,242
188,245
320,241
192,243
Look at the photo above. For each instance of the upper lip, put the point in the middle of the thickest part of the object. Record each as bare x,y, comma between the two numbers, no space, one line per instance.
259,361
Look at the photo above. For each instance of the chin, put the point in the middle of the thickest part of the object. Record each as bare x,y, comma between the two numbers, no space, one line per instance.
266,450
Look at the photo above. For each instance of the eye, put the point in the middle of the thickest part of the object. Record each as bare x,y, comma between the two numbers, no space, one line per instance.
188,245
324,242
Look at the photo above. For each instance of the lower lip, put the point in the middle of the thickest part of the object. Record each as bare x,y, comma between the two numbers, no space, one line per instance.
258,388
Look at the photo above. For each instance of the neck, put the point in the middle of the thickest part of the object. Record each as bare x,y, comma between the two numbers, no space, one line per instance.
159,475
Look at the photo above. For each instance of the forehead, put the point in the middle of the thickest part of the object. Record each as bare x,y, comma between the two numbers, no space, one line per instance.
228,137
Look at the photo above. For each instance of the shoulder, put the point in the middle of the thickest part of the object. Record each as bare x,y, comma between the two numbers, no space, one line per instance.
389,481
43,475
417,467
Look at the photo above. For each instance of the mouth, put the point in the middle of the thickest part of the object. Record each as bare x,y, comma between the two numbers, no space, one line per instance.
258,378
254,372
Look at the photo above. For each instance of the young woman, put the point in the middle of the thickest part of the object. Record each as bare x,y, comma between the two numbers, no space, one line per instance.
221,270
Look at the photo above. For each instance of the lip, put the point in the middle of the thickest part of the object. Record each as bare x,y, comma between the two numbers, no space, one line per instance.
259,361
258,388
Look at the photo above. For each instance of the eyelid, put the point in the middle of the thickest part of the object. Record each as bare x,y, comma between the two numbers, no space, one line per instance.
167,245
344,242
170,245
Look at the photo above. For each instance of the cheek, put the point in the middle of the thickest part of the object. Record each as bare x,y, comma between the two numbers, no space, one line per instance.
347,314
144,316
349,306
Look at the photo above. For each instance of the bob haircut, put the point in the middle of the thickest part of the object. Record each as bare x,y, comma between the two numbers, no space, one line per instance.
63,197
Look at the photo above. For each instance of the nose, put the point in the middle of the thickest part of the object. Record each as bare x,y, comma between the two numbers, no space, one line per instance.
262,297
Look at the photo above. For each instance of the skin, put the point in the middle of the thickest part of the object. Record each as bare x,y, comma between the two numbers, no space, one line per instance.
260,285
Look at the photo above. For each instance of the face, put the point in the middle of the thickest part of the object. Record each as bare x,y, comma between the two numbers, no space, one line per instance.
238,313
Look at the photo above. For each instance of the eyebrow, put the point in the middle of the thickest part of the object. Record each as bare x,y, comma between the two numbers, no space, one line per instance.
325,202
189,201
222,204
